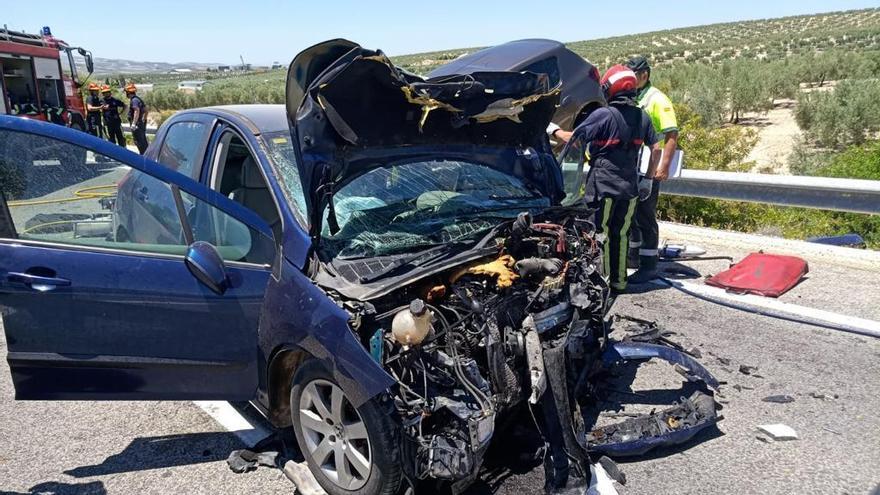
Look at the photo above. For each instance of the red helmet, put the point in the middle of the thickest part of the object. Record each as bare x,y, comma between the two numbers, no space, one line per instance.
94,87
618,79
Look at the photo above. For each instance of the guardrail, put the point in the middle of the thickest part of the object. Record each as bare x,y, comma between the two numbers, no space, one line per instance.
150,130
851,195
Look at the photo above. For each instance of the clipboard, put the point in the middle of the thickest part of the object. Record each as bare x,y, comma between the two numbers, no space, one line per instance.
675,166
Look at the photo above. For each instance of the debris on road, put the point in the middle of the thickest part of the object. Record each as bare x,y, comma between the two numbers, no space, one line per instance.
779,432
778,399
817,395
747,370
672,426
724,361
740,388
302,478
242,461
601,483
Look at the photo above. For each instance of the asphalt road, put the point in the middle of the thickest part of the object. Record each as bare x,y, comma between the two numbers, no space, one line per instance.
174,447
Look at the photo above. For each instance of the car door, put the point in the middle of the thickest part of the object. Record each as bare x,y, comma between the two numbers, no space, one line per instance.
87,316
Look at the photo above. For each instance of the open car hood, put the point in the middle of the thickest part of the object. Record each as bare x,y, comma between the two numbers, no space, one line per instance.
350,110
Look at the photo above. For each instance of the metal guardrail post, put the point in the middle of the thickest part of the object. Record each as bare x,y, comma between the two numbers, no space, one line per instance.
851,195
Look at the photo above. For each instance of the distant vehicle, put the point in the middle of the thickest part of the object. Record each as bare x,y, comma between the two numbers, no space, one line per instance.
581,93
40,80
191,86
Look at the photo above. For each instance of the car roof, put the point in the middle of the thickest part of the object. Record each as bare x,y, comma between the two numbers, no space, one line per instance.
262,118
512,55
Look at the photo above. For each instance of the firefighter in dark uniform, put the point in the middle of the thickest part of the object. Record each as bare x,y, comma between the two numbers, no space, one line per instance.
137,117
93,109
111,108
615,134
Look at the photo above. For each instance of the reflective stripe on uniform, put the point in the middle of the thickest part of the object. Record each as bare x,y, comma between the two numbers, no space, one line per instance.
606,252
624,244
648,252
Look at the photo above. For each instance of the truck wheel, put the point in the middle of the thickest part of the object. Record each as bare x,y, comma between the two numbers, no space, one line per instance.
350,451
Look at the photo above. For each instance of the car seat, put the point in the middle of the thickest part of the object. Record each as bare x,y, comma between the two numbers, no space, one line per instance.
254,194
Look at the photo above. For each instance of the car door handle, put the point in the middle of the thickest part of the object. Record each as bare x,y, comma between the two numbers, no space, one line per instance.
36,281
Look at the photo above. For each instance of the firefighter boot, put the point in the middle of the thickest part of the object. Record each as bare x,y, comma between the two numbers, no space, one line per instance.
647,270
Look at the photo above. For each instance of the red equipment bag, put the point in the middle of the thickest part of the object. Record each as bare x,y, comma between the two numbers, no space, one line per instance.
768,275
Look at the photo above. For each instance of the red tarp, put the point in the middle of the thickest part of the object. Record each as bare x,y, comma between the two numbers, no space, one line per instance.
768,275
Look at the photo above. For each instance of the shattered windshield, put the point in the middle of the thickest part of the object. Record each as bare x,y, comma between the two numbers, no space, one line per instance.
415,205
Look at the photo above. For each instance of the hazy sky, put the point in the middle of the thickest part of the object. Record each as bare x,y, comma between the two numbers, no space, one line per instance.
274,30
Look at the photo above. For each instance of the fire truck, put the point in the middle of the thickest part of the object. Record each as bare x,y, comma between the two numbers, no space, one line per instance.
40,78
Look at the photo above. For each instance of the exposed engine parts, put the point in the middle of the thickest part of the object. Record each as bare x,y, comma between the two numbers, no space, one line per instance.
523,327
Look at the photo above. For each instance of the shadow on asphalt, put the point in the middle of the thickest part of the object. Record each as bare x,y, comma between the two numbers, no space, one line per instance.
59,488
163,452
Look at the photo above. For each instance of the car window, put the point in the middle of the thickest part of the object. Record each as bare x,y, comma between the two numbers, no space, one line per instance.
547,66
181,149
66,194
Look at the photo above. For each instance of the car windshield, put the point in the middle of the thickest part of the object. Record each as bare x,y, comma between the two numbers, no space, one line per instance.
415,205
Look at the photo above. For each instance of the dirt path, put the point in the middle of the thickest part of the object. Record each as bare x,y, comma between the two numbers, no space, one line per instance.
777,134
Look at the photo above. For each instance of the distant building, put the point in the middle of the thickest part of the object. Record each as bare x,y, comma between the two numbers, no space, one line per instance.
224,68
191,86
276,65
243,67
180,71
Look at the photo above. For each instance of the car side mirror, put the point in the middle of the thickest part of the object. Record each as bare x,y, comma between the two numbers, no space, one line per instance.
206,265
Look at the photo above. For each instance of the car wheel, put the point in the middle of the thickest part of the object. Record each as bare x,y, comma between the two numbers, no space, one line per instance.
350,451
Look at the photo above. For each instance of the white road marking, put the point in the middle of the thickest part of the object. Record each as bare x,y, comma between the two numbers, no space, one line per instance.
229,418
862,325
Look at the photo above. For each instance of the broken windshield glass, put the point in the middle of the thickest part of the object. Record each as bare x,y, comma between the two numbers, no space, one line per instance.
416,205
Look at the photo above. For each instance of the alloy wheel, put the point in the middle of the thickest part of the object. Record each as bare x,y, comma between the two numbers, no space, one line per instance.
335,435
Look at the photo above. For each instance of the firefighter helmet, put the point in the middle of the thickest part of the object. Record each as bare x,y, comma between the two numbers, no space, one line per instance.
94,87
130,88
619,79
106,89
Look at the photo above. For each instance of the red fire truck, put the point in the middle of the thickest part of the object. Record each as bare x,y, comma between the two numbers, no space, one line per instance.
40,79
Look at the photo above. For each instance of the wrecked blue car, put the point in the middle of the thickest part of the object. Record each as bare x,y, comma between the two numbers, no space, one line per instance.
385,263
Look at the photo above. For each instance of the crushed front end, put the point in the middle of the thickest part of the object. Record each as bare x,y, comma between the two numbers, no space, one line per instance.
468,345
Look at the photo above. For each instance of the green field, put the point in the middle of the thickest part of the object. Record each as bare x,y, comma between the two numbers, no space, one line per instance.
716,74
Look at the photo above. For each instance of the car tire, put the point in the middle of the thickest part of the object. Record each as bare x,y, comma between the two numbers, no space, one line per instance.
328,428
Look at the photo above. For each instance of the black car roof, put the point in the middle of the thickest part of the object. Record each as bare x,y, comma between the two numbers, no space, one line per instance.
512,55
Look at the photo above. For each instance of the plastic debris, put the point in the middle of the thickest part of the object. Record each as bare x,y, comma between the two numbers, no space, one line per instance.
244,460
779,432
817,395
778,399
600,482
747,370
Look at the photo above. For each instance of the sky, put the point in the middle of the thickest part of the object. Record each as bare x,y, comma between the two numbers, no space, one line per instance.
273,30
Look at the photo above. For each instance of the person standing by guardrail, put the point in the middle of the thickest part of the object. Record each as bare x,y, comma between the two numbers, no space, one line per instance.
645,233
614,135
93,112
111,108
137,118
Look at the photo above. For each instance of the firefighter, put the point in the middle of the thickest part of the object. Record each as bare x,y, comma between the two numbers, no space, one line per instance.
615,134
111,108
137,117
93,109
645,233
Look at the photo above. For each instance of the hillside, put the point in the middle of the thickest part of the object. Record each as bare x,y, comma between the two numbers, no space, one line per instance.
766,39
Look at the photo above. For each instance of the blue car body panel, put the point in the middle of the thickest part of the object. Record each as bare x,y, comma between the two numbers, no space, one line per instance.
631,351
138,326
